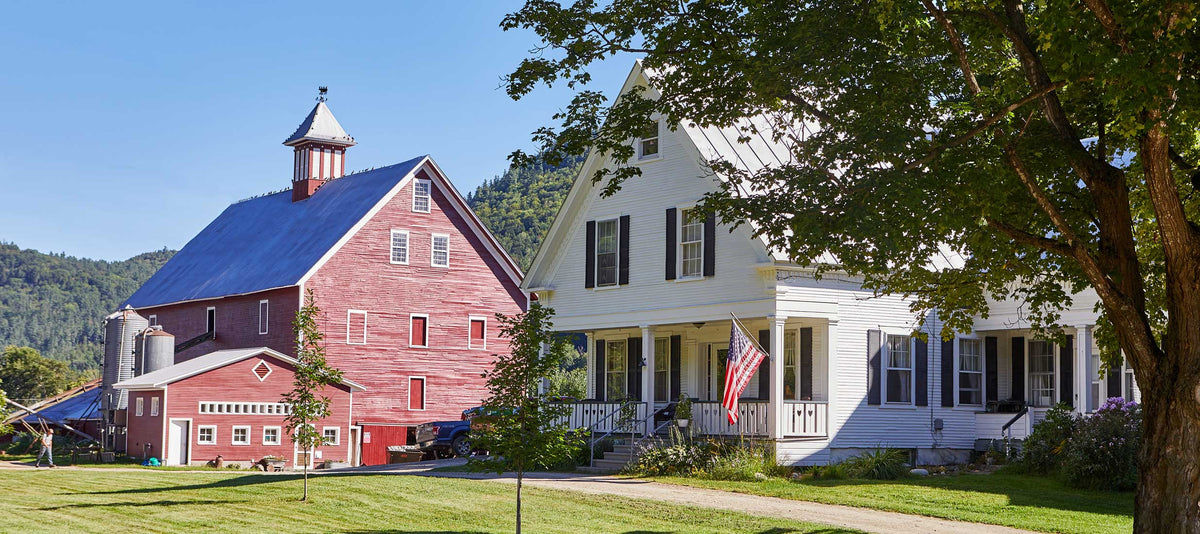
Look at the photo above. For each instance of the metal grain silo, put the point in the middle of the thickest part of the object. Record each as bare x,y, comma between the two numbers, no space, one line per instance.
120,329
157,350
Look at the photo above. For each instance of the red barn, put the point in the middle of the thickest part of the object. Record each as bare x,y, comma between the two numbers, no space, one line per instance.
227,403
407,279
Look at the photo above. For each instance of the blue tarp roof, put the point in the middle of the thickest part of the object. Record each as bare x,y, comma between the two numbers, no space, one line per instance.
269,241
85,405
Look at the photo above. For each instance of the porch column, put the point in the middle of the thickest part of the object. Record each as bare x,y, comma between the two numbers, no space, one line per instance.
1085,372
832,396
775,402
648,375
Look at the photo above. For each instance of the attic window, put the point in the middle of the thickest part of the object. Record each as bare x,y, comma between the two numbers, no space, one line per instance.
421,190
262,370
647,143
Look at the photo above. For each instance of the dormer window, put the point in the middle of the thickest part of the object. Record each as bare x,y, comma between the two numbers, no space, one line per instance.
647,143
421,189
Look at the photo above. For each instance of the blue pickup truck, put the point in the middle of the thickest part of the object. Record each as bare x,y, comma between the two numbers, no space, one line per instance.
447,438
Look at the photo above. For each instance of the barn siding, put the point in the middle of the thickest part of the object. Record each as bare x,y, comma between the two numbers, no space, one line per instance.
147,429
237,322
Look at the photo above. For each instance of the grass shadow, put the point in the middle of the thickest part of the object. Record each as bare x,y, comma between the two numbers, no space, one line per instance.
234,482
135,504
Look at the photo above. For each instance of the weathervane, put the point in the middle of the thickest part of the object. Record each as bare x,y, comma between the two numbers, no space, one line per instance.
321,92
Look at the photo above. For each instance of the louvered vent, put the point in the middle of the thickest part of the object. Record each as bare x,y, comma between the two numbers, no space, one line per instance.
262,370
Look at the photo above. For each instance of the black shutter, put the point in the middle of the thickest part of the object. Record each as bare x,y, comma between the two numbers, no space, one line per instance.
1066,378
806,358
948,373
601,371
1018,369
874,361
623,247
991,362
589,278
676,353
921,367
764,368
672,243
1114,382
710,245
633,368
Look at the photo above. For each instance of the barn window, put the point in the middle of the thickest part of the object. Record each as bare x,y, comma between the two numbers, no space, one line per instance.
478,338
421,191
211,321
331,435
418,333
356,327
153,320
441,251
140,404
206,435
241,435
416,393
153,406
271,435
264,308
399,247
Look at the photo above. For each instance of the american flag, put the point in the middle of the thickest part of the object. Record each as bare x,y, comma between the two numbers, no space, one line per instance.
743,360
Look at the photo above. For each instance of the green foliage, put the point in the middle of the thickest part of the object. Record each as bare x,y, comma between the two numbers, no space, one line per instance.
519,206
5,429
27,376
1102,453
683,409
1043,450
56,303
830,472
307,401
878,464
526,431
681,458
570,378
745,462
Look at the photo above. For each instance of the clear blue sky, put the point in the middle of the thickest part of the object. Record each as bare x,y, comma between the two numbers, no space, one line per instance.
128,127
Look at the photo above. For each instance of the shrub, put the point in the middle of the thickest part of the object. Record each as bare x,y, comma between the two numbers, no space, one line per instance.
1042,452
744,462
675,459
830,472
1102,453
879,464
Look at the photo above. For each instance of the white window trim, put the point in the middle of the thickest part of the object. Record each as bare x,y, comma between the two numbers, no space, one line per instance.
233,435
264,316
470,339
392,246
337,435
1054,385
349,315
608,341
213,309
679,246
596,260
637,142
153,319
424,394
412,316
199,432
432,245
154,401
140,405
912,375
429,205
983,391
278,435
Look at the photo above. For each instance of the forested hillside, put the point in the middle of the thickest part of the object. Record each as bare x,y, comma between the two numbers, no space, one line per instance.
56,303
519,206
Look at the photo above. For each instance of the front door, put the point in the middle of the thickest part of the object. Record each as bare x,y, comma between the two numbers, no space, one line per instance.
177,442
712,383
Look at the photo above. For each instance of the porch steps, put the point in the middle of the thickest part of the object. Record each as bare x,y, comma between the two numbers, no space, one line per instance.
619,458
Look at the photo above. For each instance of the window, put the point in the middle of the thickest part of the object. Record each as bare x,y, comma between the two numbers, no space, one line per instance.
416,393
241,435
206,435
1041,373
970,371
789,365
271,435
263,311
153,320
648,142
399,247
418,331
211,321
615,381
478,335
153,406
662,369
606,253
899,370
1131,390
140,403
356,327
1097,380
441,251
255,408
331,435
326,162
691,243
421,190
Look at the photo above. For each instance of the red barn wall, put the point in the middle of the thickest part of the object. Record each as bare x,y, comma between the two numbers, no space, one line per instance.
237,382
145,429
237,322
360,276
377,438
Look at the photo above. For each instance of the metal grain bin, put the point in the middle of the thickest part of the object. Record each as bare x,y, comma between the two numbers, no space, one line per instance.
120,329
158,350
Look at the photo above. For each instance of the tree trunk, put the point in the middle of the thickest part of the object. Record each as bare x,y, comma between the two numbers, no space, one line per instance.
1168,495
519,477
305,497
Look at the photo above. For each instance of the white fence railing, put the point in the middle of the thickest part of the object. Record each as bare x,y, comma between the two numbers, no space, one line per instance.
711,419
805,419
603,416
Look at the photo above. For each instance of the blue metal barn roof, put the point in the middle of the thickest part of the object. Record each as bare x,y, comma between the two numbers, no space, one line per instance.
85,405
269,241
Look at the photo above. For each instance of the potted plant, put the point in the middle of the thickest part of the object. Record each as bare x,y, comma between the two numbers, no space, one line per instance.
683,411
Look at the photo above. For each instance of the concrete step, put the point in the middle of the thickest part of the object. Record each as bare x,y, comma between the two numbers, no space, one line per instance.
610,463
596,470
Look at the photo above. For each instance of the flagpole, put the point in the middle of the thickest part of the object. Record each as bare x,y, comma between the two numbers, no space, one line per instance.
752,339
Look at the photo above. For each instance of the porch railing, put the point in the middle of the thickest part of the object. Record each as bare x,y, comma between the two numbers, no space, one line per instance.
805,419
711,419
603,417
800,418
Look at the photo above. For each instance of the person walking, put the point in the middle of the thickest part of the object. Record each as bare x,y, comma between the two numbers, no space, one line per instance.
47,448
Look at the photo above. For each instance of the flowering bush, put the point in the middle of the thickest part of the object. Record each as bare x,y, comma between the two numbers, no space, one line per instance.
1102,453
1042,451
677,459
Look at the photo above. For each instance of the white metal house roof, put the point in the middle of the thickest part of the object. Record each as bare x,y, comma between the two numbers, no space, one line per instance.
201,364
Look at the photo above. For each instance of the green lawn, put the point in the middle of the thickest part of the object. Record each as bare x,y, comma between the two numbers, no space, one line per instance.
1022,501
73,500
